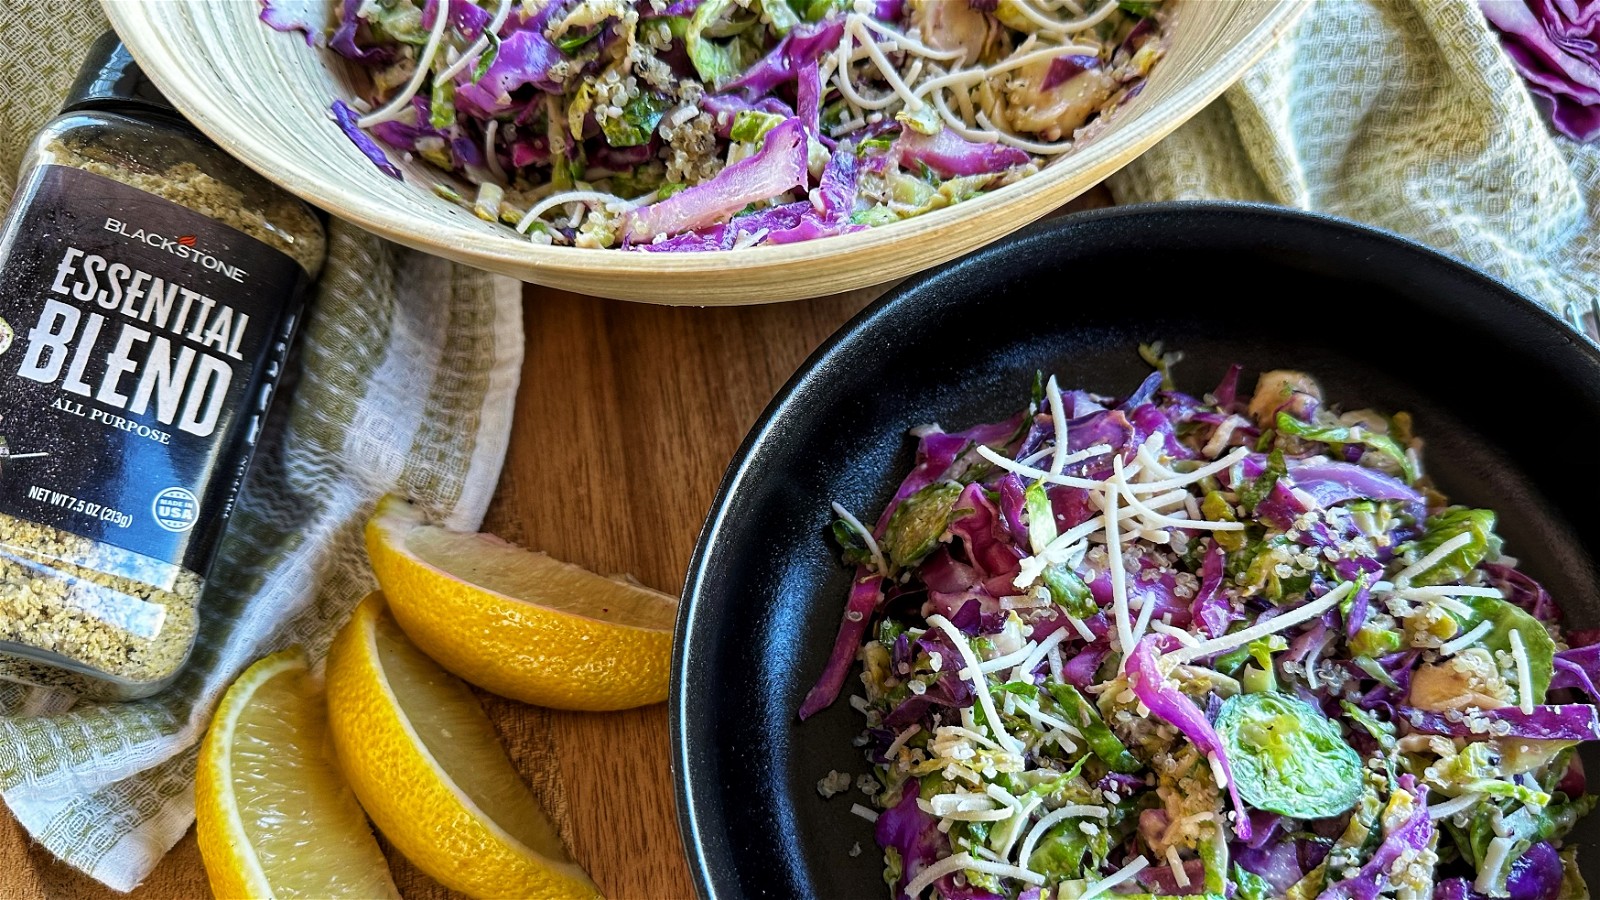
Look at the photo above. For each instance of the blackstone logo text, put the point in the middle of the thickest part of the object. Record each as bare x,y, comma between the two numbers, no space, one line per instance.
182,247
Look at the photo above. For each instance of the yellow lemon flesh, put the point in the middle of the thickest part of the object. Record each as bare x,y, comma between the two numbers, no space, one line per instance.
274,816
425,761
519,623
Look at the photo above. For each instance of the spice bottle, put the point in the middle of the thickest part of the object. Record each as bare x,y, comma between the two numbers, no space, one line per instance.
149,289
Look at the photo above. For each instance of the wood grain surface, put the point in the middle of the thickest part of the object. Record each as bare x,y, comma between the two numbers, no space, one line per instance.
626,418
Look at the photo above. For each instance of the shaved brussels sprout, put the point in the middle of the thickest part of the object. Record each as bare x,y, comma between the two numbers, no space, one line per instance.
1287,757
918,522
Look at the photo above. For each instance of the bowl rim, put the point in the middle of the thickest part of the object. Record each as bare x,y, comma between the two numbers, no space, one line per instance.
500,252
741,467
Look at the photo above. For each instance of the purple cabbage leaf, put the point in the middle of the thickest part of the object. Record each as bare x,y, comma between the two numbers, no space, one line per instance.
951,155
346,119
1555,45
305,16
778,167
1164,700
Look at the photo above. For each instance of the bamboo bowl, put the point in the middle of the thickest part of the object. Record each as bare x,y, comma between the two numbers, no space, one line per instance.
263,96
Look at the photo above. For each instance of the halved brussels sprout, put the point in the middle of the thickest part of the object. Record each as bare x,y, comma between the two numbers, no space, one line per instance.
1287,757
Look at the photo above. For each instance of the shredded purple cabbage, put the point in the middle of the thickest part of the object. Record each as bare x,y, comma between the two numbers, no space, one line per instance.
346,118
914,834
344,37
308,17
1573,722
779,166
1555,44
803,46
864,600
1066,68
524,59
1164,700
1414,835
951,155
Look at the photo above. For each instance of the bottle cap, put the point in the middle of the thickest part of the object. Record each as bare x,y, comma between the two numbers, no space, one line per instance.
110,78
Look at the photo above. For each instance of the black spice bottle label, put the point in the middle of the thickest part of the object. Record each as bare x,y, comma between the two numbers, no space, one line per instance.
139,345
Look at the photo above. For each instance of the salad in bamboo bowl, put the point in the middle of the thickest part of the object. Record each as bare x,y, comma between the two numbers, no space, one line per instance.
694,151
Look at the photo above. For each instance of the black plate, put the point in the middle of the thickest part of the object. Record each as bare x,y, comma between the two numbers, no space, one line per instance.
1503,392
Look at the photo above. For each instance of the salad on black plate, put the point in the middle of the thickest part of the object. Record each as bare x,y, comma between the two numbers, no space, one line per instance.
1228,646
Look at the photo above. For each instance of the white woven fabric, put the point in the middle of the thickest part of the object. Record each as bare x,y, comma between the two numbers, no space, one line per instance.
1407,115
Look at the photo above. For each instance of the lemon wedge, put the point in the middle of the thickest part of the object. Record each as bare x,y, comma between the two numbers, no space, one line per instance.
426,764
519,623
274,816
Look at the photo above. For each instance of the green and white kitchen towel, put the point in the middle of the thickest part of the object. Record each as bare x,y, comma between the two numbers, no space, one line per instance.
1402,114
407,377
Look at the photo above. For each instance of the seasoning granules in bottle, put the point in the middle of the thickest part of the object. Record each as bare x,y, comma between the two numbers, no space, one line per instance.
149,289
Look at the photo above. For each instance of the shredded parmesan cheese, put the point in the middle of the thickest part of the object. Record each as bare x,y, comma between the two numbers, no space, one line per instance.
1441,600
1040,716
979,682
1123,874
1175,864
1148,455
1119,587
1023,672
1086,453
1058,418
1049,820
999,793
1011,465
1014,833
1001,662
1289,619
1403,578
1453,807
1154,519
1167,484
1458,644
959,861
1147,606
979,815
1183,636
1219,438
900,740
1494,860
860,529
968,732
1519,651
1083,631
